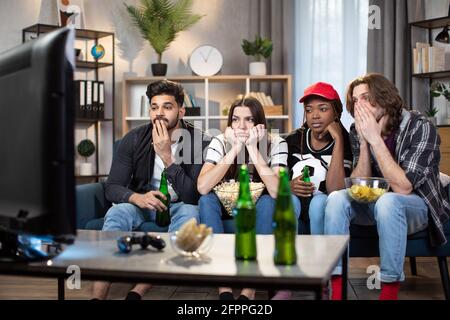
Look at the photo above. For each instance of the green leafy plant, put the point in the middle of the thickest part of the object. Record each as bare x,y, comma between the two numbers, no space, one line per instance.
225,111
258,48
439,89
431,112
86,148
160,21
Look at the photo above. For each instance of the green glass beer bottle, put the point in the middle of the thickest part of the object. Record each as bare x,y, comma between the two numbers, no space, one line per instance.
245,219
163,217
284,224
306,177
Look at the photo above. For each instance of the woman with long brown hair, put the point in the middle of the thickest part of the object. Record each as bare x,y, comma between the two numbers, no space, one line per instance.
245,140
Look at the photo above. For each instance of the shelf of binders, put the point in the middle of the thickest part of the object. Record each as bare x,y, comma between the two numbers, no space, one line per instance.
94,113
89,100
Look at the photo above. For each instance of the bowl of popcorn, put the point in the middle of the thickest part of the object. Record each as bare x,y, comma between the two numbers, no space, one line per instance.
228,193
192,240
366,190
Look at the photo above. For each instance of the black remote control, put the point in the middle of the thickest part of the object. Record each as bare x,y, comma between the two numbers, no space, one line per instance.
125,243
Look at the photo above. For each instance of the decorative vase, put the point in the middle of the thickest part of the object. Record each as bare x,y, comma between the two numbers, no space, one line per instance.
433,120
447,107
257,68
159,69
85,169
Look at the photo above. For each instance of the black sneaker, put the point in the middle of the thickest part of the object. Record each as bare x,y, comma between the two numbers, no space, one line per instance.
132,295
226,296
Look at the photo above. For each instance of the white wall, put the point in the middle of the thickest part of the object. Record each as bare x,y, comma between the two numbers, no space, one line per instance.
25,13
436,8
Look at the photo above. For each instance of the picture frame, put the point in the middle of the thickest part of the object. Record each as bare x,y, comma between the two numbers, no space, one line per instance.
70,12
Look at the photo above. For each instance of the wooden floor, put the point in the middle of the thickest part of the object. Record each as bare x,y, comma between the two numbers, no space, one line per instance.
425,286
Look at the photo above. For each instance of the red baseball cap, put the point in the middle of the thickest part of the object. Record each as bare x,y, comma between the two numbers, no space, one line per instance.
321,89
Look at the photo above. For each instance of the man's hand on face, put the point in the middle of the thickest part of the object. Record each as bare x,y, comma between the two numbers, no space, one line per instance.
150,200
359,129
370,129
161,141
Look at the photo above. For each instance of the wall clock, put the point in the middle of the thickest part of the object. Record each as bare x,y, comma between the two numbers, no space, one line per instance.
206,61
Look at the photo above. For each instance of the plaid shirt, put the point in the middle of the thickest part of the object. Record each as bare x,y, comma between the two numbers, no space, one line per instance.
417,153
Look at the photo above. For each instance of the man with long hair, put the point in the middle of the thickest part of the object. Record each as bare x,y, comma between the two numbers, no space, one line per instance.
403,147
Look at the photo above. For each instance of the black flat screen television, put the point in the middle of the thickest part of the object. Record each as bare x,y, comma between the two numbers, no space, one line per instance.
37,185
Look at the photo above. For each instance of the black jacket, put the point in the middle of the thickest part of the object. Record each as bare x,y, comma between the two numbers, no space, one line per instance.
133,162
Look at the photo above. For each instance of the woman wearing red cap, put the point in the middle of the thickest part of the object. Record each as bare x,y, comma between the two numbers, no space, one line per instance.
323,145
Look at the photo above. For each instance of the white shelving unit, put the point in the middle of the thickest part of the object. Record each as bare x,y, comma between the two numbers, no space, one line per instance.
134,88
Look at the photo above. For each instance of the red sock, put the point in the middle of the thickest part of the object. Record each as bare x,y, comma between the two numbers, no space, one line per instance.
389,291
336,288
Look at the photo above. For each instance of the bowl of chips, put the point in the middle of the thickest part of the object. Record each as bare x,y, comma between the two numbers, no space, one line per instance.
228,193
366,190
192,240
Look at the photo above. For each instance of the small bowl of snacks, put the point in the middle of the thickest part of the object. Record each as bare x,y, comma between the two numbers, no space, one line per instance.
192,240
228,193
366,190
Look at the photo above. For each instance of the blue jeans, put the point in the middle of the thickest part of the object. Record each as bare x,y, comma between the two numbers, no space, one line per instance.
316,211
395,216
211,213
128,217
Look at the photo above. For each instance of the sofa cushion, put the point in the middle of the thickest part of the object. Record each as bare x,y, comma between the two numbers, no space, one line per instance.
97,224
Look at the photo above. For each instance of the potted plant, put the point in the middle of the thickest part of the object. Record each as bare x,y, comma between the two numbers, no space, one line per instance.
160,21
437,89
86,148
431,114
260,48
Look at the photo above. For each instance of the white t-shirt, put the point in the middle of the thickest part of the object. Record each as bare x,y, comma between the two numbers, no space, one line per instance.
158,169
276,154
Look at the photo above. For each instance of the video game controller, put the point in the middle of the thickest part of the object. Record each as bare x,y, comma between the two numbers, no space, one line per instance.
125,243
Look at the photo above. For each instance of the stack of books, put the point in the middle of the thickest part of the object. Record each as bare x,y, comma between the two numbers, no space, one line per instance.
428,58
192,109
189,103
270,109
